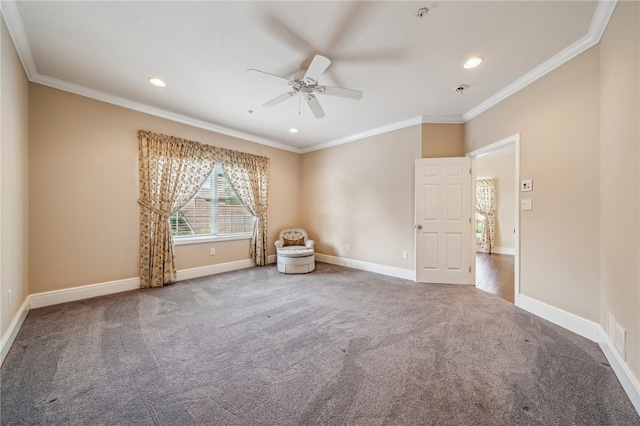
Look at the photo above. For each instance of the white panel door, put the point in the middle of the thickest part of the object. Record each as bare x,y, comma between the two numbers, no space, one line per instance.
443,220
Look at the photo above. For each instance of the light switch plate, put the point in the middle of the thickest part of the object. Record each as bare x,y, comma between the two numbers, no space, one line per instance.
525,204
526,185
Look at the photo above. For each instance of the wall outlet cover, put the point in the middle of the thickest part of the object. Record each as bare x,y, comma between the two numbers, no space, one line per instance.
526,185
621,341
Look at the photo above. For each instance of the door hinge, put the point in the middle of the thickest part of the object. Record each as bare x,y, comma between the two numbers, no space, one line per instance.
469,269
469,220
469,171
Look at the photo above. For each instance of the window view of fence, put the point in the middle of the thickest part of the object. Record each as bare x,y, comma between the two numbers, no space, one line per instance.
214,210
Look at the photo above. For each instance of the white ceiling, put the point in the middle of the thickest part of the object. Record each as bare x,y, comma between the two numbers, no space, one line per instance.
407,67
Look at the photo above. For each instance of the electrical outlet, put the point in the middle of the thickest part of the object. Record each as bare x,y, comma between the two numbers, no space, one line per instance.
213,252
611,328
405,255
9,297
526,185
621,341
348,247
525,204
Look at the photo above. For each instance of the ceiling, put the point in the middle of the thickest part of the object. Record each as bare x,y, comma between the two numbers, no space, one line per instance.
407,67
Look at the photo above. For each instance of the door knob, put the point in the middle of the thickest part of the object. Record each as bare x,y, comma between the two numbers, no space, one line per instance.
418,226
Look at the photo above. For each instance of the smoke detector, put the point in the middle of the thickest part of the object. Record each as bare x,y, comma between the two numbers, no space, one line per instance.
461,88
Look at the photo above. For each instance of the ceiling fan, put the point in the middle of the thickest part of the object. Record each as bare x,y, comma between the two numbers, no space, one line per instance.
306,86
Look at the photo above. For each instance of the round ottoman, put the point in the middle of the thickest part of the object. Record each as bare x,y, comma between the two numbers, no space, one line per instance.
300,260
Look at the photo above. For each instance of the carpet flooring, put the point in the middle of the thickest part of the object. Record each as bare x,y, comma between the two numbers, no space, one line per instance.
335,347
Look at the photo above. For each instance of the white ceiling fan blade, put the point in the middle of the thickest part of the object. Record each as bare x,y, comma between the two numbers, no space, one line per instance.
340,92
279,99
266,74
316,68
313,103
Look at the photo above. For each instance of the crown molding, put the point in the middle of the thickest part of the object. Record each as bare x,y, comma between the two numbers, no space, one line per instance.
9,11
13,20
425,119
601,17
15,27
158,112
367,133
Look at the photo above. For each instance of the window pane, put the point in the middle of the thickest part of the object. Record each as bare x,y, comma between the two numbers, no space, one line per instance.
214,210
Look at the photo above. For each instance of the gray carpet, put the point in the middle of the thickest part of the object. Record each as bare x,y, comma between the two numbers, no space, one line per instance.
334,347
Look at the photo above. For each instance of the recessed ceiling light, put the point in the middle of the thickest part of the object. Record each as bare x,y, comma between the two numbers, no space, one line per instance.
293,130
157,82
473,62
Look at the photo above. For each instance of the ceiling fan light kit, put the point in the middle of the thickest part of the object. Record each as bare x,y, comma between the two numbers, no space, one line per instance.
307,87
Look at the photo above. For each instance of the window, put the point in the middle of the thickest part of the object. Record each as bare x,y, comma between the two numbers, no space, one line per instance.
479,223
215,210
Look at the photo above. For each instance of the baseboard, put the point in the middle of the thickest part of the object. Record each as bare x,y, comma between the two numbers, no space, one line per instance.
591,331
48,298
187,274
571,322
628,381
499,250
564,319
55,297
14,328
392,271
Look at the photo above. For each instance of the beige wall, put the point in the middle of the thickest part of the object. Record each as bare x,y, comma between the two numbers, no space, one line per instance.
558,119
619,180
501,168
84,215
14,181
442,140
361,194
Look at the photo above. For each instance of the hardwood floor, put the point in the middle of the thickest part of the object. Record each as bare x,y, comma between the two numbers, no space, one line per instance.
494,274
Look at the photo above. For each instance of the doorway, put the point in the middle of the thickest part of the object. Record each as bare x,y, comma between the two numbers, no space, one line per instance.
498,273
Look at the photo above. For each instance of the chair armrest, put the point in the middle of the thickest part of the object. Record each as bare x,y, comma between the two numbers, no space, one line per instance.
309,243
278,244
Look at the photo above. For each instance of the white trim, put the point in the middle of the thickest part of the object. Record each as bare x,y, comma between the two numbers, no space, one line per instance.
502,143
202,271
599,22
183,241
443,119
499,250
392,271
628,381
601,17
13,20
54,297
564,319
48,298
591,331
367,133
496,146
11,333
157,112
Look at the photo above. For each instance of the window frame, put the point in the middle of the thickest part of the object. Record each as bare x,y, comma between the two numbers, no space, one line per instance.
205,238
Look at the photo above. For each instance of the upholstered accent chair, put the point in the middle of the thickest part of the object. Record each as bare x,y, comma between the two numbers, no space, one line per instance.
294,251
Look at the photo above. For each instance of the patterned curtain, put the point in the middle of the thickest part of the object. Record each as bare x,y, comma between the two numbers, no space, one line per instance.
486,206
249,176
171,172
